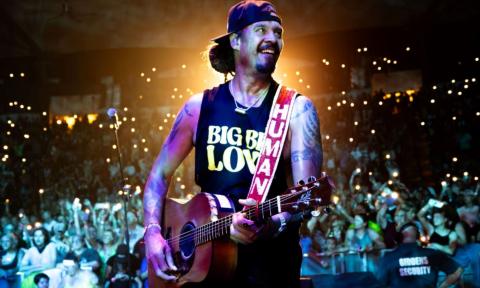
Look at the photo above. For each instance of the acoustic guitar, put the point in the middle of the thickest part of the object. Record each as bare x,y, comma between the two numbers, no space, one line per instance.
198,230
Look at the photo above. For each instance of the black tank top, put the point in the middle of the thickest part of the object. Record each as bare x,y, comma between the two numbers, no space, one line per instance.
442,240
228,145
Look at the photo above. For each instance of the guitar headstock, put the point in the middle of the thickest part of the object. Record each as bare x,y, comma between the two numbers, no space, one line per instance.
312,194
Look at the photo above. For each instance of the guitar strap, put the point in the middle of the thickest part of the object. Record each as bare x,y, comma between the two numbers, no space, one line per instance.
275,135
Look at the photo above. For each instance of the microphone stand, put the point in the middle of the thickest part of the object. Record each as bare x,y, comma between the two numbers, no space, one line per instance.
125,193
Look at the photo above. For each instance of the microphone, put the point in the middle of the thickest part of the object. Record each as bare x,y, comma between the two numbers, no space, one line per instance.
112,114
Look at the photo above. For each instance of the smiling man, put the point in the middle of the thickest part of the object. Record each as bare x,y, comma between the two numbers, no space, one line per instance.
227,127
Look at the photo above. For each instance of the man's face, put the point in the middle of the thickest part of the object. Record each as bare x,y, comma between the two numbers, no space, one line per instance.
39,238
6,243
43,283
260,46
400,217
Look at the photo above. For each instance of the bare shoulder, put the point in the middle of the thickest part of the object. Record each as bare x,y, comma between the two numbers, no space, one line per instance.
303,106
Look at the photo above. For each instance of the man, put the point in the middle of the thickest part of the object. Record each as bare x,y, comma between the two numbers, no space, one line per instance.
225,124
412,266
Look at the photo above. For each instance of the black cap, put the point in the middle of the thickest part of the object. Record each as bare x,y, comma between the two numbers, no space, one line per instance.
246,13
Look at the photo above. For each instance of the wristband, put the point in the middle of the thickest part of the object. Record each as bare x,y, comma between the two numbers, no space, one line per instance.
150,225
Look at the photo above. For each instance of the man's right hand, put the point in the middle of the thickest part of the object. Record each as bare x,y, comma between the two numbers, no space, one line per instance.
159,254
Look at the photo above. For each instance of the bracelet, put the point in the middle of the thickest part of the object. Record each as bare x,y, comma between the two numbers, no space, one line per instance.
283,223
150,225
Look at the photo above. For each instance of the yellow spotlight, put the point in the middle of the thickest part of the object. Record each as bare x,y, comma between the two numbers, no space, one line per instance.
91,118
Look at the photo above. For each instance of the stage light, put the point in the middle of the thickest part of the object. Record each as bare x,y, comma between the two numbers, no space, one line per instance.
473,79
132,130
365,102
355,123
374,63
359,50
453,81
407,49
465,173
379,68
372,131
339,104
142,74
365,49
329,108
476,59
143,140
100,125
434,87
432,101
475,178
449,92
160,128
154,69
135,146
389,182
145,149
21,106
454,159
11,75
308,86
394,62
350,140
465,86
352,104
380,103
148,80
454,179
41,191
22,74
24,160
107,160
357,187
5,147
387,156
454,118
114,146
182,187
26,136
343,66
448,175
344,101
327,137
422,123
395,174
459,93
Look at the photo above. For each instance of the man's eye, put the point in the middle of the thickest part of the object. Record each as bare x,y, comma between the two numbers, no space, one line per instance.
261,29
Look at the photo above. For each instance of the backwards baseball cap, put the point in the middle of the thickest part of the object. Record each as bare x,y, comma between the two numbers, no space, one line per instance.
246,13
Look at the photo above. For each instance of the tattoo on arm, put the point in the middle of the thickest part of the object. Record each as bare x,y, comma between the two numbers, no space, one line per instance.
185,112
311,138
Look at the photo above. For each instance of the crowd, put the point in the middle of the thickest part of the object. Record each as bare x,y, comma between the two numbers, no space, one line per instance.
404,160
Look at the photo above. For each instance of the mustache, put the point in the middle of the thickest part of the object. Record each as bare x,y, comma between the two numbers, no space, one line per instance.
269,45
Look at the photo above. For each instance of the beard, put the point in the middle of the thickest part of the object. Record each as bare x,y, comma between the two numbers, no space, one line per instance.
267,66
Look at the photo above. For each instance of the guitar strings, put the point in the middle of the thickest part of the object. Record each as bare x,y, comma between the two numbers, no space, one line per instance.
205,232
212,226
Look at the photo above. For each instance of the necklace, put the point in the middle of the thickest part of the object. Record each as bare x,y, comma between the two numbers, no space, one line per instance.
241,110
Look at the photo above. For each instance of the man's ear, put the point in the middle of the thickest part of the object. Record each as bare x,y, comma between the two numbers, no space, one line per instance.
235,41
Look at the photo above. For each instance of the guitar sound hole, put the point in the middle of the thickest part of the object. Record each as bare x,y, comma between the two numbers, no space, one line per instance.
187,242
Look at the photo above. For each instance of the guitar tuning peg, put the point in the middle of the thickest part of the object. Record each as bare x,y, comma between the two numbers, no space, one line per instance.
301,182
312,179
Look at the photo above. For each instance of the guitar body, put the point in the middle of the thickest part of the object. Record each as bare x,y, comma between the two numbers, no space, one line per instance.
214,260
